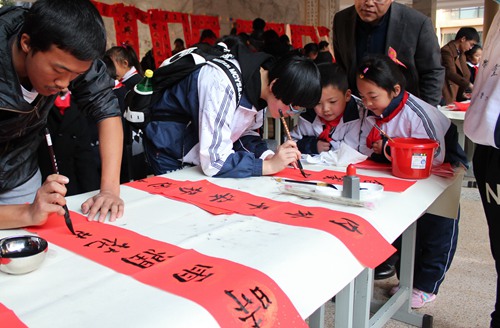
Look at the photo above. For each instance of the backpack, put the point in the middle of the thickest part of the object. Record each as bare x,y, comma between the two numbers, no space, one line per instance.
138,113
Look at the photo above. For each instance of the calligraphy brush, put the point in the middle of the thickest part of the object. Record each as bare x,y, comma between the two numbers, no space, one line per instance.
52,155
312,183
382,132
299,164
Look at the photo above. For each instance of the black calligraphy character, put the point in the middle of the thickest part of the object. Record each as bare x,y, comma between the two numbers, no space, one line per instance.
244,308
300,214
372,181
227,197
197,273
348,224
111,244
259,294
494,71
160,185
261,206
146,259
191,191
82,234
485,63
333,177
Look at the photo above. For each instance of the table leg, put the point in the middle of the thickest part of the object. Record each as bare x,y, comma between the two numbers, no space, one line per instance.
363,291
317,319
344,304
398,306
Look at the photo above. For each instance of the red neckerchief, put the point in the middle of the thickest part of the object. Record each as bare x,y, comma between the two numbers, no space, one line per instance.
374,134
63,103
118,85
329,126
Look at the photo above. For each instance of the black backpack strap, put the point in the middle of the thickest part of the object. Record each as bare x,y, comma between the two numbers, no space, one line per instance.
233,73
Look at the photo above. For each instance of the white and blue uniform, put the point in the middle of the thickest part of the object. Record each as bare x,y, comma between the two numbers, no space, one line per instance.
203,125
417,119
437,236
309,127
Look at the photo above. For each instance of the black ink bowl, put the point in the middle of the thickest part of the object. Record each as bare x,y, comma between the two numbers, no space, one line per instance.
22,254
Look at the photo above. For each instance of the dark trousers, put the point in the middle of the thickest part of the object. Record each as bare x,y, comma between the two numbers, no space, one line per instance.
435,247
486,164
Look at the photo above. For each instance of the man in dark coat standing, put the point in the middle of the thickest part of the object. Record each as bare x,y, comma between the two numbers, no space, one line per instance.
378,26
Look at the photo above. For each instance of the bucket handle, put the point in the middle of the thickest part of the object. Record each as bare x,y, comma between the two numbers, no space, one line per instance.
386,154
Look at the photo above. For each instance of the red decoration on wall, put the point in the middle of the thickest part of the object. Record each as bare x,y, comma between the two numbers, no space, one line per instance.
276,27
125,18
160,38
298,31
202,22
323,31
243,26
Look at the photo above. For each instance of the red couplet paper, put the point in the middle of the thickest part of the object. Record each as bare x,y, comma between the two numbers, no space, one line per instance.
360,237
336,177
9,319
235,295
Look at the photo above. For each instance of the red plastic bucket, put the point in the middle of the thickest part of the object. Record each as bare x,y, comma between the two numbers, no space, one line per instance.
411,157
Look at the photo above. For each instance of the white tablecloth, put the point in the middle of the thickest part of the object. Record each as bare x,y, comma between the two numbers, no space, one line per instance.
309,265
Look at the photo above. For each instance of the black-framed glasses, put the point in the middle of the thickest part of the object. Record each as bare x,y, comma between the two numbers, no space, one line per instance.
295,110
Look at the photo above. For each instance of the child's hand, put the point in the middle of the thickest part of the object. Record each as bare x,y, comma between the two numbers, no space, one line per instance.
377,146
285,155
323,146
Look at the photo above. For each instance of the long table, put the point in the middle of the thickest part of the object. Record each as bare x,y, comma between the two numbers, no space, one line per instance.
309,265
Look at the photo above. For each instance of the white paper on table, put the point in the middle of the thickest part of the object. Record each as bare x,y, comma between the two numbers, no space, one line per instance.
343,156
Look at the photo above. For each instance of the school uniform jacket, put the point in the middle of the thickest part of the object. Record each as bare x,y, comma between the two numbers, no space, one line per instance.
417,119
310,127
457,73
411,34
204,126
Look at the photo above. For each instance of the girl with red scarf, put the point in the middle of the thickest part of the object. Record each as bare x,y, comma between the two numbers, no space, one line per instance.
335,119
381,87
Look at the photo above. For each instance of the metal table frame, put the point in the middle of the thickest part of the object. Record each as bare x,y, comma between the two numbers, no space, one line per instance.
354,303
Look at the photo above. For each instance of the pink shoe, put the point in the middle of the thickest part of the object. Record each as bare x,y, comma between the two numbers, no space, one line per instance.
393,290
420,298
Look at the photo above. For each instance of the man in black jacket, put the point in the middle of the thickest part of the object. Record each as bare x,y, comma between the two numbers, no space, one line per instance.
376,26
53,46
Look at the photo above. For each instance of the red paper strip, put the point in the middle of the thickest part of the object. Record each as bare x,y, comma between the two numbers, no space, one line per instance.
9,319
364,241
235,295
329,176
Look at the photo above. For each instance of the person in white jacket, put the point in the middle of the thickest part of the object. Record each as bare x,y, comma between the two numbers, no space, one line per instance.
482,126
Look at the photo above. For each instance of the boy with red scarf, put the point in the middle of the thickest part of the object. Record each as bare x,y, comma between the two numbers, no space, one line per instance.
335,119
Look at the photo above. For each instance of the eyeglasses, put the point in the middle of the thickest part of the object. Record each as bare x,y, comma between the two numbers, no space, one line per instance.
295,110
377,2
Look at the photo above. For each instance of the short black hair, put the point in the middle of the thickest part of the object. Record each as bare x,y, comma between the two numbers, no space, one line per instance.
258,24
469,53
311,48
74,26
125,52
297,81
383,71
334,75
323,44
469,33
